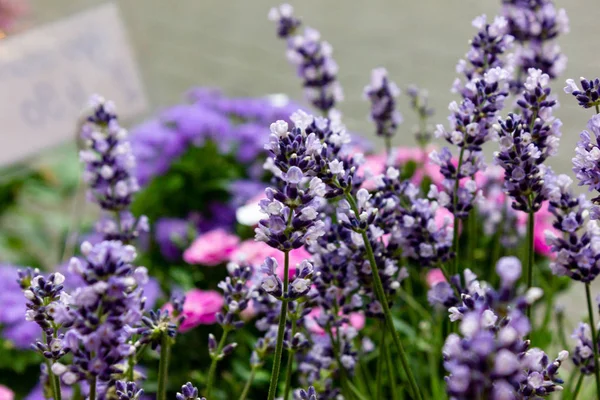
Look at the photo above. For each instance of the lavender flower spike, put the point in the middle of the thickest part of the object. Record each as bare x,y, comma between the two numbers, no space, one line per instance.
383,93
312,58
109,171
586,163
188,392
589,94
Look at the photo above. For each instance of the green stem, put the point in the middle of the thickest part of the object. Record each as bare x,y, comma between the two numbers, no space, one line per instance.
389,322
215,359
280,331
594,338
163,367
290,364
92,395
530,252
380,365
248,383
434,364
391,377
597,109
130,366
388,148
455,245
578,387
53,379
356,392
473,238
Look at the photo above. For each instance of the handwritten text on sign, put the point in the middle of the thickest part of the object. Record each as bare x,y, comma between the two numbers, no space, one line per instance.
47,75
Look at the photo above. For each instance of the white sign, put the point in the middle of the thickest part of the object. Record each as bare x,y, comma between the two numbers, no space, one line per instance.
47,75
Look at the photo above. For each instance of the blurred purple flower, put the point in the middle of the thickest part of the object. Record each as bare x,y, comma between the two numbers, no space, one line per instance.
12,311
173,235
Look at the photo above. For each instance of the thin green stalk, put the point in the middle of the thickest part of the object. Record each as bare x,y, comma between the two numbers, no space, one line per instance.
248,383
356,392
597,109
473,238
434,364
215,359
388,147
378,286
380,365
389,322
92,395
456,242
391,377
529,265
290,364
280,331
53,379
163,366
130,366
336,354
578,387
365,378
569,382
594,338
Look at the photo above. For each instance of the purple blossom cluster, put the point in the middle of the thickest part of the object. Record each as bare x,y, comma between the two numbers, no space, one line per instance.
526,141
586,163
483,93
589,94
313,59
106,310
109,171
583,354
15,329
419,102
535,25
382,94
233,124
578,248
491,358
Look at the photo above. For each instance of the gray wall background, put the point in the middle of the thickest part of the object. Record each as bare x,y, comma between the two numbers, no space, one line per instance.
231,44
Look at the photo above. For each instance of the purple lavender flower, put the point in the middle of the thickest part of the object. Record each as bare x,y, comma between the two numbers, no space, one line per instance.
382,94
188,392
313,60
586,163
173,235
471,121
20,332
48,305
589,95
419,102
526,141
161,322
128,390
492,360
310,394
535,25
105,310
578,250
583,354
109,165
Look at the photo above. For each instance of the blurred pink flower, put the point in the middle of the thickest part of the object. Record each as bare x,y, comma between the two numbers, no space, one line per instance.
434,277
10,11
542,221
375,164
6,393
357,321
211,248
255,253
200,308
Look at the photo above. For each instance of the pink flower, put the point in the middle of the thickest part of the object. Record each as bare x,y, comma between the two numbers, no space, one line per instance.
375,165
10,12
200,308
211,248
357,321
6,393
542,221
255,253
434,277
